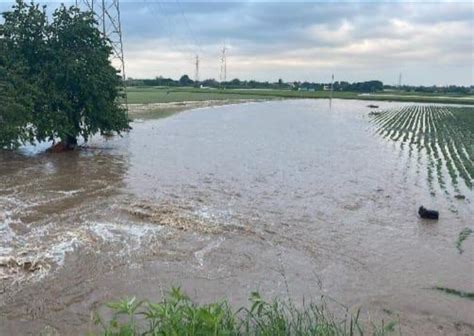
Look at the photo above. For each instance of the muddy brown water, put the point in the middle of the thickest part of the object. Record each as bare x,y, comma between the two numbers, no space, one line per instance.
292,198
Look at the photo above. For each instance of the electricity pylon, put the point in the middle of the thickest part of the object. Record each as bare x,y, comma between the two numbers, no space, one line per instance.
223,74
332,86
196,75
107,14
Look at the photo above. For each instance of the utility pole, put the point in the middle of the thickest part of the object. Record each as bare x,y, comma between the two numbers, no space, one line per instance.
332,86
107,14
196,76
223,74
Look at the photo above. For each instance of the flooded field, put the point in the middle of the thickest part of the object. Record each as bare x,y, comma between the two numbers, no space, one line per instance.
299,198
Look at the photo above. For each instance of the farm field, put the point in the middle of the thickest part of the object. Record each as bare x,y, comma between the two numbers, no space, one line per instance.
148,95
440,135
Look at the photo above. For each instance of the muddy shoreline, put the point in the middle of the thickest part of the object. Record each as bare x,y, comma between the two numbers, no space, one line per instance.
157,110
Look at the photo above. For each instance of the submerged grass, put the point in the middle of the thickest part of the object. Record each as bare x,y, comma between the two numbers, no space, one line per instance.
455,292
178,315
462,237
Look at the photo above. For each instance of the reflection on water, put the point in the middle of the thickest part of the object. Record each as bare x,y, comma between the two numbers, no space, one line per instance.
226,198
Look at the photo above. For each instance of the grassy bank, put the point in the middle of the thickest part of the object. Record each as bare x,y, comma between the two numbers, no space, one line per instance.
178,315
148,95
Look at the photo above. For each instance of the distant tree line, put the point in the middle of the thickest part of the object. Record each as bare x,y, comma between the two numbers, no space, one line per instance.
341,86
451,89
185,81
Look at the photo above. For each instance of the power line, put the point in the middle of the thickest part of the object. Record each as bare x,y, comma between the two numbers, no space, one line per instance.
166,26
107,14
188,26
182,46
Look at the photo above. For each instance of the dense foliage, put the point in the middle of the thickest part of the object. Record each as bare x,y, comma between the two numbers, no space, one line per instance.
178,315
15,102
57,79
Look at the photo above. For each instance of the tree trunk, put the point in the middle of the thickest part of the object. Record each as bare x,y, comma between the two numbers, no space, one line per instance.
67,144
70,142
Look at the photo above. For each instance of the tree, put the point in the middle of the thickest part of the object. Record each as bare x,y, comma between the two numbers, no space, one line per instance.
15,104
235,83
185,81
68,62
20,46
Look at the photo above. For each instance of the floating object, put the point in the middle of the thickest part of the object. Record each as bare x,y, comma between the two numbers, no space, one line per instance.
428,214
373,106
460,197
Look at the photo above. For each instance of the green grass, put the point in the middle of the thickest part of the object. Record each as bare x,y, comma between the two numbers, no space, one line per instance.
178,315
150,95
147,95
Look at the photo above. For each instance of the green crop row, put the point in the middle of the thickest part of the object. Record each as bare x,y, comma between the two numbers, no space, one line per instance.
445,134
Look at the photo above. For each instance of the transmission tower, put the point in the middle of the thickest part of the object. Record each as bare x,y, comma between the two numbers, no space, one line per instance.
223,74
107,14
332,86
196,75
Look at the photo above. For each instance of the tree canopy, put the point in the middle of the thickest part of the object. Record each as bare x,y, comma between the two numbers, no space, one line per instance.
56,78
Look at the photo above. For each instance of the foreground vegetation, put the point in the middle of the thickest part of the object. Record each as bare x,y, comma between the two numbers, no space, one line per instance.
148,95
178,315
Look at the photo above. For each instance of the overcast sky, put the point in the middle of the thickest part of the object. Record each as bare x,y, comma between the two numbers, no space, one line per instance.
428,42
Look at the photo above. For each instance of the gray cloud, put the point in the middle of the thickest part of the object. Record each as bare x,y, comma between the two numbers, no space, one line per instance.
430,42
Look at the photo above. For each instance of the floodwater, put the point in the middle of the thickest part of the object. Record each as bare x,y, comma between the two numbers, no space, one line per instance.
293,198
